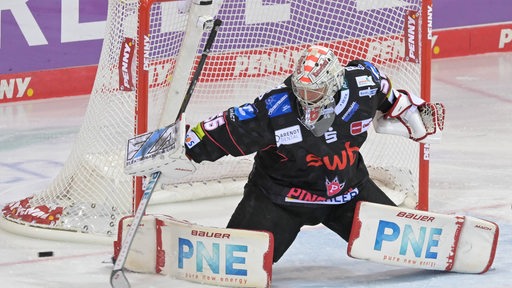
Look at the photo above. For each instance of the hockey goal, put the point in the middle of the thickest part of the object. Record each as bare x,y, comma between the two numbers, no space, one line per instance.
149,53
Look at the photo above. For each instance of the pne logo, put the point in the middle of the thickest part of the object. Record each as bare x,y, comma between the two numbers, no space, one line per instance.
219,259
421,239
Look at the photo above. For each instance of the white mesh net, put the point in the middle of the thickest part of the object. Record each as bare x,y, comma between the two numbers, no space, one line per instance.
255,50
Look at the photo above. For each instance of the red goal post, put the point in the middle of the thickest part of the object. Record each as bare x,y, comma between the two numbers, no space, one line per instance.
149,53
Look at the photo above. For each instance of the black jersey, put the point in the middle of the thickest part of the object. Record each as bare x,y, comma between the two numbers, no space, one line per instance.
291,165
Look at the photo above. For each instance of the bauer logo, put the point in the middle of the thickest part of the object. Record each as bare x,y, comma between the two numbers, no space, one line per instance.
407,240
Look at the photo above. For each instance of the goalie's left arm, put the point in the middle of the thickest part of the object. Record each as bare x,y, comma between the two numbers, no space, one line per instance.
412,117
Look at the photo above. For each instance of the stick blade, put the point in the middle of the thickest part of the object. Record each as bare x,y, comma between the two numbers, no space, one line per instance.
118,279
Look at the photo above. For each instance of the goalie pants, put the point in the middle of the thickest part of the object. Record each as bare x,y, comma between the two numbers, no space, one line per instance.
257,212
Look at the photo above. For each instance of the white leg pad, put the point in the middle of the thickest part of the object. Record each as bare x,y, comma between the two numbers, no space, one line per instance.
421,239
208,255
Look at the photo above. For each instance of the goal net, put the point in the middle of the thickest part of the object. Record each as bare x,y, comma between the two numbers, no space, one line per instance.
150,51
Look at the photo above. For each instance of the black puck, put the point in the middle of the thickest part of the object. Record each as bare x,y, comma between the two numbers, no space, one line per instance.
45,254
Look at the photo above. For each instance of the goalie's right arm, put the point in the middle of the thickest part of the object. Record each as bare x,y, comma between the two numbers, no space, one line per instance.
160,150
238,131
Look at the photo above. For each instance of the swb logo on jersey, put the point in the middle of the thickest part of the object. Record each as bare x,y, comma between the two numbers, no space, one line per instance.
333,187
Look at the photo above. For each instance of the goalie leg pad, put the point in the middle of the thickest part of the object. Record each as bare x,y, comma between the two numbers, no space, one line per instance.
420,239
215,256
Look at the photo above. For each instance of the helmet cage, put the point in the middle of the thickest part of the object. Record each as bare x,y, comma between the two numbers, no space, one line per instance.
317,77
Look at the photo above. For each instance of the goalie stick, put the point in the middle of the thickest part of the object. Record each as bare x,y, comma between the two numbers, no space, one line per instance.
117,277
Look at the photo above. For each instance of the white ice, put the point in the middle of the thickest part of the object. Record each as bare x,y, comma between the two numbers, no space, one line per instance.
471,174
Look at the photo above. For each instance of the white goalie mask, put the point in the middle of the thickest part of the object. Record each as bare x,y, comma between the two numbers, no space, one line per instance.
317,76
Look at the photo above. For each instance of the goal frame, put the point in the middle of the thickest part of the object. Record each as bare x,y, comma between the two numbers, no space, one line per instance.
426,75
85,163
425,58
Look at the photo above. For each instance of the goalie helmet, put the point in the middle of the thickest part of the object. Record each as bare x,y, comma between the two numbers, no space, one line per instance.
317,76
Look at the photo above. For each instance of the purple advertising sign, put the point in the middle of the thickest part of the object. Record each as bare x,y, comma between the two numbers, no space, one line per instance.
457,13
50,34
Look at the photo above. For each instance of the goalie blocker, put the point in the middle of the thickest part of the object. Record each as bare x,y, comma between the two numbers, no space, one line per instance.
160,150
208,255
420,239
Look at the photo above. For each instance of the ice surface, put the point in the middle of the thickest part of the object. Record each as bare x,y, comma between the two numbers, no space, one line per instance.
471,174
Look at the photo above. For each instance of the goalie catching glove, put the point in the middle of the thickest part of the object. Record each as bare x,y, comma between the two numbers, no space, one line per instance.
412,117
160,150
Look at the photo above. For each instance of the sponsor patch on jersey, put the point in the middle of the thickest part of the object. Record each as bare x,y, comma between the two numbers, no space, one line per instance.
289,135
191,139
246,111
363,81
351,68
343,101
359,127
297,195
333,187
351,110
331,136
278,104
368,92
